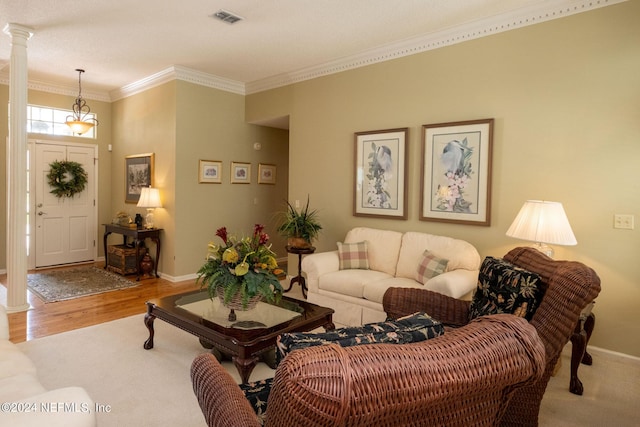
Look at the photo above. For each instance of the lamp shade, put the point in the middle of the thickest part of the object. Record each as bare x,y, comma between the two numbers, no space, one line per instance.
542,222
149,198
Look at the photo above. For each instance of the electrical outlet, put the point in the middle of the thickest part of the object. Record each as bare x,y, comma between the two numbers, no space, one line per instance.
297,204
623,221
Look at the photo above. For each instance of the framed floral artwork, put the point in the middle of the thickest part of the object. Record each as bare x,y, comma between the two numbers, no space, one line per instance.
138,169
456,172
240,173
381,174
266,174
210,172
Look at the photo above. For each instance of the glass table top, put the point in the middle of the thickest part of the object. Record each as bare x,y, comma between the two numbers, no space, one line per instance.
264,315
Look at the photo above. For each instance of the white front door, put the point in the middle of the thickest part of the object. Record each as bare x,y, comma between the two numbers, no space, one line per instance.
65,228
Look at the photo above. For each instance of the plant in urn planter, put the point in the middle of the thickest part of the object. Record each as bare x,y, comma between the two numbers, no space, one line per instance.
299,227
241,272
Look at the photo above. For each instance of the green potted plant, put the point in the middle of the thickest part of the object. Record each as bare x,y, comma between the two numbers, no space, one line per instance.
241,272
300,227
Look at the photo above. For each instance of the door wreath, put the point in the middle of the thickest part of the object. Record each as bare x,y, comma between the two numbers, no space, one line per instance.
66,178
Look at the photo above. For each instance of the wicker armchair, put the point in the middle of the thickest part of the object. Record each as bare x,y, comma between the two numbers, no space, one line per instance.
465,377
570,287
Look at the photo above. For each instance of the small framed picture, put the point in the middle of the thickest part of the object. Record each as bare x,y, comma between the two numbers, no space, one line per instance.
138,170
266,174
210,172
240,173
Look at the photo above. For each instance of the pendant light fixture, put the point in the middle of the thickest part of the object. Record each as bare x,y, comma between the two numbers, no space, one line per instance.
78,122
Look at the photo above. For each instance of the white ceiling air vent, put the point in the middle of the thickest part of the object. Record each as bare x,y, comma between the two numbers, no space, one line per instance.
226,16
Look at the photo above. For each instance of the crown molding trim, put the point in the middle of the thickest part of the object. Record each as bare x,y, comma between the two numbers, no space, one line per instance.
59,89
470,31
177,72
494,25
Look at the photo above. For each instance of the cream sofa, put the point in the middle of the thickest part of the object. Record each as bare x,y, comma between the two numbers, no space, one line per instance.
25,402
356,295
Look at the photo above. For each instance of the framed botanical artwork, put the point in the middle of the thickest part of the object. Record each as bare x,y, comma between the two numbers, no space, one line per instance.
210,172
138,170
456,172
240,173
266,174
381,174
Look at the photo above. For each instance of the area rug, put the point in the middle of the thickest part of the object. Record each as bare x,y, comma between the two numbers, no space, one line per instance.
153,387
65,284
141,387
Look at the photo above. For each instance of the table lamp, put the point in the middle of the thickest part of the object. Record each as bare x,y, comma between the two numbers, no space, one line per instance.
543,222
150,199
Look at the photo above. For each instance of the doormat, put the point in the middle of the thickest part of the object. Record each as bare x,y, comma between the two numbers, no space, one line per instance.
60,285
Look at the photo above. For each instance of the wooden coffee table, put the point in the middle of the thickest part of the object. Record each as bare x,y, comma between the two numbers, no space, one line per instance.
248,339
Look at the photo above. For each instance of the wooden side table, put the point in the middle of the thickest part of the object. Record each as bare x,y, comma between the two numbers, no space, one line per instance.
138,235
299,279
579,341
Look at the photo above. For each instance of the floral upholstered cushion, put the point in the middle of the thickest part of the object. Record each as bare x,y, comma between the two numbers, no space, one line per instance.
413,328
257,394
430,266
353,256
505,288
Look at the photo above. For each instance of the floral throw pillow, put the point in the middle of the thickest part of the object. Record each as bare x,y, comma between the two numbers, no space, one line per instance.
353,256
430,266
505,288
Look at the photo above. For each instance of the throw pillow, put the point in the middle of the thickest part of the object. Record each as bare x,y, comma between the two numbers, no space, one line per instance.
505,288
353,256
430,266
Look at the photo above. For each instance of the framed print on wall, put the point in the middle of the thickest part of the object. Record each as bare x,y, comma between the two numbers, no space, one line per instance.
210,172
138,170
240,173
266,173
381,174
456,172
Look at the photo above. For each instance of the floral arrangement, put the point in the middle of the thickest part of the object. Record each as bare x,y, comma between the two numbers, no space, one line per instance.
244,266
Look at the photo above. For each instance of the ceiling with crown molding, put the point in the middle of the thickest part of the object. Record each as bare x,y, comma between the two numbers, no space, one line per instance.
123,44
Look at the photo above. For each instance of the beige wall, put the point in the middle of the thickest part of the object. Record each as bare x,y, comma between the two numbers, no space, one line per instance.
565,96
182,123
103,133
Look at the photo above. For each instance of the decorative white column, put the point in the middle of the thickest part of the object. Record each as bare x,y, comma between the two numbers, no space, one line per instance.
17,170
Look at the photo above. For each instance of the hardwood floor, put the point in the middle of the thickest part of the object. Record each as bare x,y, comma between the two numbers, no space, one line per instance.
48,319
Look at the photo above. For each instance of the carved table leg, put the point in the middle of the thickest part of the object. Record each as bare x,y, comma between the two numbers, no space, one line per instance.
579,343
589,324
245,367
148,321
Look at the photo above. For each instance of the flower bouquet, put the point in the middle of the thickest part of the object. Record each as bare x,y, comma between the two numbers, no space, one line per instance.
241,271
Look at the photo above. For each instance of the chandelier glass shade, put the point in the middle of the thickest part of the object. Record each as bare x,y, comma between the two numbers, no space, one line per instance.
78,121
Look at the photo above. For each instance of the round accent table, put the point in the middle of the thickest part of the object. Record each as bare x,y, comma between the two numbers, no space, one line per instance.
299,279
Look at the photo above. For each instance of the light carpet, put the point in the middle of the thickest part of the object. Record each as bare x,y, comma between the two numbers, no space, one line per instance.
69,283
153,387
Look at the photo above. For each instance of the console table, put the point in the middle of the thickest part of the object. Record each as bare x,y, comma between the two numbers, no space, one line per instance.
139,235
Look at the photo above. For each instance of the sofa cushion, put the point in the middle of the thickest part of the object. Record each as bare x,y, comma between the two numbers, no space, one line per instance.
350,282
461,254
18,387
505,288
383,247
353,256
13,361
430,266
374,291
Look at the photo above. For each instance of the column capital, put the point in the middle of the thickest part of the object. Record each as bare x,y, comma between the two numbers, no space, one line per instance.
17,30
